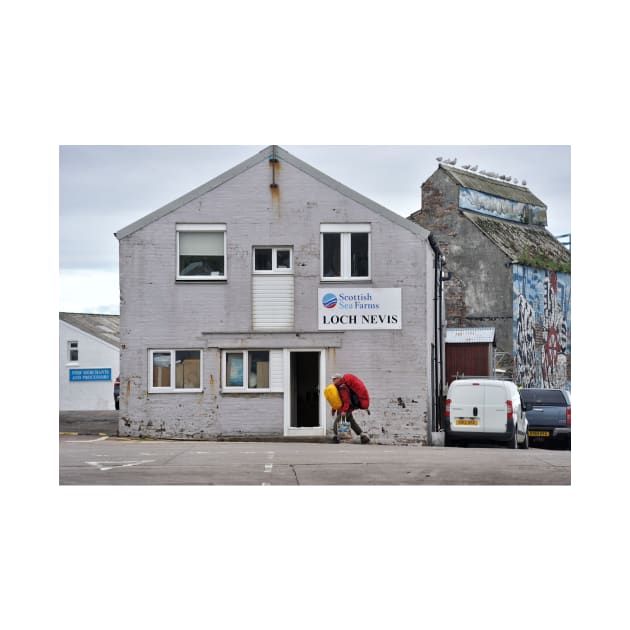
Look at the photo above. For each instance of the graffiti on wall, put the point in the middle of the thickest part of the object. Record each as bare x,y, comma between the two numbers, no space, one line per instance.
502,208
542,328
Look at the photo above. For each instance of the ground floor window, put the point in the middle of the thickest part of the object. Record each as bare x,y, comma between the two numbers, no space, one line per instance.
246,370
174,370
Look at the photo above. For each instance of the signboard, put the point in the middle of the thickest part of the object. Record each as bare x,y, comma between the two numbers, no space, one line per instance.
91,374
359,309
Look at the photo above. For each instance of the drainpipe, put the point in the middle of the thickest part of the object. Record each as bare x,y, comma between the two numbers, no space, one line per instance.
438,333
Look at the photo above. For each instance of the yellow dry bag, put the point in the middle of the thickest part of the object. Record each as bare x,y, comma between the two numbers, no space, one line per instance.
332,396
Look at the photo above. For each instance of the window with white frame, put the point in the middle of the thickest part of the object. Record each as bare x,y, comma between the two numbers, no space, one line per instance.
201,251
345,251
273,260
73,351
246,370
175,370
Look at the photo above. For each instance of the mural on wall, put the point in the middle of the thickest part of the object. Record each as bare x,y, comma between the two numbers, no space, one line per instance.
542,328
501,208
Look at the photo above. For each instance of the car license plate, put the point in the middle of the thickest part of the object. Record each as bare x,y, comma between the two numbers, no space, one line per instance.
538,433
467,421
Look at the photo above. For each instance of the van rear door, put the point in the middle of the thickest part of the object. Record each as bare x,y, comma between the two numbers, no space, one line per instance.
467,407
495,408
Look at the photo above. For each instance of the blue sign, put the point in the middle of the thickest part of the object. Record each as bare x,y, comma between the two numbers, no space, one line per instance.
91,374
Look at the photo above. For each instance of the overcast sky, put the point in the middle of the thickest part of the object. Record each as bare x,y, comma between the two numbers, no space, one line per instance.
105,188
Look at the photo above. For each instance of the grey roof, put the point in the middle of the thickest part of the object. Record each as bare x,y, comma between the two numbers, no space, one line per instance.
282,155
104,327
520,241
470,335
490,186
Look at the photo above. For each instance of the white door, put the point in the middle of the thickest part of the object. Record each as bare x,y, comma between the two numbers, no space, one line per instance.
304,403
495,408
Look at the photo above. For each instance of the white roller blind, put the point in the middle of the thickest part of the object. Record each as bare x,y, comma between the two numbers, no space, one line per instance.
272,302
201,243
276,376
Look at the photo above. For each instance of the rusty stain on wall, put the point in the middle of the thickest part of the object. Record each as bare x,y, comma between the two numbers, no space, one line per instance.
274,163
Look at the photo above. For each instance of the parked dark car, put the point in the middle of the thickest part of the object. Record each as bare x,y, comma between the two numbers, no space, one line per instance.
117,393
548,414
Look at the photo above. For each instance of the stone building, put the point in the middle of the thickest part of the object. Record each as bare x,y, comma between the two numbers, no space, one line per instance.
507,271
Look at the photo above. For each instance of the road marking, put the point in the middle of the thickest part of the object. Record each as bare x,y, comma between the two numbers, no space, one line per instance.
100,439
101,465
268,468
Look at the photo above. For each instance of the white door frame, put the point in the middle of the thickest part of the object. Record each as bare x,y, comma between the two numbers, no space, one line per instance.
304,431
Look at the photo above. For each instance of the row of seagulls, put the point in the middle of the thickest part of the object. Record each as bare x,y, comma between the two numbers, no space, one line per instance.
449,161
504,178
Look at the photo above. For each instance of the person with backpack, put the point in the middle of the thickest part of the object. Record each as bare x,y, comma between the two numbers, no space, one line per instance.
349,402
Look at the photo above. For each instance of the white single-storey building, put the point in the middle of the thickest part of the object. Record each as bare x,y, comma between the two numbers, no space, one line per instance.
89,361
240,299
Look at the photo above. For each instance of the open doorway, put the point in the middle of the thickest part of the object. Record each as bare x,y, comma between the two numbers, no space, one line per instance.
305,389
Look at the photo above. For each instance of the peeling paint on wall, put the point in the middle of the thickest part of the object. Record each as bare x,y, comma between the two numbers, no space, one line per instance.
542,328
502,208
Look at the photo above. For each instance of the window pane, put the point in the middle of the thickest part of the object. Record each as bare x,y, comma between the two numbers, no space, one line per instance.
332,255
259,369
73,351
161,369
201,266
262,260
201,254
234,369
187,369
359,254
283,259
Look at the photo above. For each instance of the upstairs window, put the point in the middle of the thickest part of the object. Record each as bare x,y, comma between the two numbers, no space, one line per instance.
345,251
201,251
273,260
73,351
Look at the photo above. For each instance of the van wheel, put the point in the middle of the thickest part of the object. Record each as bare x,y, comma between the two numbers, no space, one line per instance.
525,443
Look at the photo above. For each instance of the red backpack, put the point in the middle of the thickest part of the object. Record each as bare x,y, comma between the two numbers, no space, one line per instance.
359,395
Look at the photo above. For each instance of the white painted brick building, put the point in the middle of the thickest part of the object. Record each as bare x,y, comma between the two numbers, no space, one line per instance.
224,332
89,359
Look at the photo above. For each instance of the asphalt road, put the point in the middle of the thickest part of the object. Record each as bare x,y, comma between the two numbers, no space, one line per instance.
103,460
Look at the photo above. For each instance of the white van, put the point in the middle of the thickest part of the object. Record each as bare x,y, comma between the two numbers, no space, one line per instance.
485,410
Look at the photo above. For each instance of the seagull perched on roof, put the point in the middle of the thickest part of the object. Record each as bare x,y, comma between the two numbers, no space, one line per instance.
474,168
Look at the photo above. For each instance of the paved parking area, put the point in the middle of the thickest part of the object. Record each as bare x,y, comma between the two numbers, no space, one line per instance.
91,460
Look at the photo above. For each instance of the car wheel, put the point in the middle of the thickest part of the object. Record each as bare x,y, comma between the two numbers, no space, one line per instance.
525,443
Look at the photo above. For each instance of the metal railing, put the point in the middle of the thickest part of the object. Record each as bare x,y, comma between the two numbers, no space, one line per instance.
565,239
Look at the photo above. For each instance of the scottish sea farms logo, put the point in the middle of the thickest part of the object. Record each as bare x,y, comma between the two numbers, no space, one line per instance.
329,300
